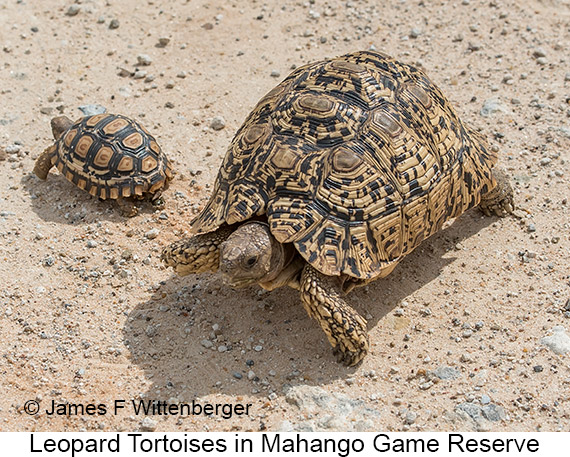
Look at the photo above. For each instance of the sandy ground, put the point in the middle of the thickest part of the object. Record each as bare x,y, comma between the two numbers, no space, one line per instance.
89,314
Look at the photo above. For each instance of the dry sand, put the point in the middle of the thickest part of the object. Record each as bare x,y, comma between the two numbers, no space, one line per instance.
89,314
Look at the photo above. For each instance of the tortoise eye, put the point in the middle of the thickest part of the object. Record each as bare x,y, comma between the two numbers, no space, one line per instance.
251,261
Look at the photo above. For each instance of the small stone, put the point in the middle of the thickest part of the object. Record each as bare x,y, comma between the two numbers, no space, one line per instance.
152,234
206,343
485,399
538,368
410,418
559,342
237,375
251,375
144,59
414,33
218,123
73,10
101,20
258,348
148,425
275,74
542,61
539,52
492,106
92,110
531,227
114,24
46,110
92,244
163,42
545,161
447,373
139,74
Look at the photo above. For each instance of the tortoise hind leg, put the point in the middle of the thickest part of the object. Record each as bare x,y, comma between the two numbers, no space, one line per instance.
44,163
197,254
499,200
344,327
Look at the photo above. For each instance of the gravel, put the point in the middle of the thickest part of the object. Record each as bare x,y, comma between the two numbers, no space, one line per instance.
333,411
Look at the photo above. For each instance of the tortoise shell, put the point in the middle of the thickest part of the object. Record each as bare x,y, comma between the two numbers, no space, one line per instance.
355,160
111,156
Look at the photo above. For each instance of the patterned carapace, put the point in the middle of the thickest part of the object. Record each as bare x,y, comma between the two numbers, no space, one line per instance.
111,156
355,160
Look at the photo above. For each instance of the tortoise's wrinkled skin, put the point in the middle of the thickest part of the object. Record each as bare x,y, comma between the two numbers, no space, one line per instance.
353,162
110,156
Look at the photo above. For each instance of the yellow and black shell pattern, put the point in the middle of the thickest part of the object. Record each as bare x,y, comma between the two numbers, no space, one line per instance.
355,160
111,156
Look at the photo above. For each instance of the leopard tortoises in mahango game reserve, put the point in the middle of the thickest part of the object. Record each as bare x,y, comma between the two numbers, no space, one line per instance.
337,174
110,156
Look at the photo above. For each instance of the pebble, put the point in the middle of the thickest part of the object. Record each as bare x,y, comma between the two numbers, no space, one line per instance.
492,106
92,244
144,59
447,373
13,149
73,10
414,33
542,61
558,342
92,110
539,52
163,42
206,343
152,234
251,375
275,73
410,418
114,24
218,123
222,348
538,368
258,348
545,161
531,227
148,425
485,399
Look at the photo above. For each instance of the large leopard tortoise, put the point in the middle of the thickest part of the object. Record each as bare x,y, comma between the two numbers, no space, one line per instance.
337,174
108,155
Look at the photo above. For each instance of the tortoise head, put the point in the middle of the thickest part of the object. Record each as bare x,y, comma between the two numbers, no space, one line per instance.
251,255
59,125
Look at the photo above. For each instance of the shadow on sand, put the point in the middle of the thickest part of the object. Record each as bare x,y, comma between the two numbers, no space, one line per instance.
266,332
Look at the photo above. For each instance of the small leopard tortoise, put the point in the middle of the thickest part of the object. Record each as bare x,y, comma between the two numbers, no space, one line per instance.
108,155
337,174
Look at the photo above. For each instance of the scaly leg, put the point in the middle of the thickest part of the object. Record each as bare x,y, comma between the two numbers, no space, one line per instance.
197,254
344,327
499,200
44,163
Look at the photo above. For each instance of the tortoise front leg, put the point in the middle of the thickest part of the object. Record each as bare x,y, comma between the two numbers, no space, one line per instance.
44,163
197,254
499,200
344,327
